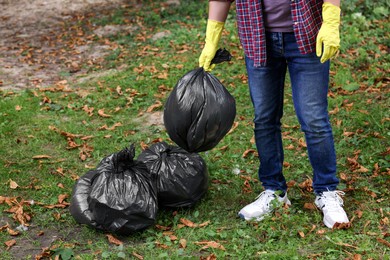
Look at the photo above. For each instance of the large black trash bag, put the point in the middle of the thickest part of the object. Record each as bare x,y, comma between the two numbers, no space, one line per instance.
182,177
123,196
199,111
79,207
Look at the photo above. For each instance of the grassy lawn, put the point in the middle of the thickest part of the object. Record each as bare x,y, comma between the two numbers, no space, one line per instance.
50,136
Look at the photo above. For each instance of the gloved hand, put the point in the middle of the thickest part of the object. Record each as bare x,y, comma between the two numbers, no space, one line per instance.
213,35
328,38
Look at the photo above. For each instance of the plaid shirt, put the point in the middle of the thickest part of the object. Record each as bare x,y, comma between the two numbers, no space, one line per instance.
307,18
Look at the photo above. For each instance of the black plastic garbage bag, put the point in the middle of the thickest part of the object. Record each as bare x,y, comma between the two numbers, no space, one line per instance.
79,207
123,196
182,177
199,111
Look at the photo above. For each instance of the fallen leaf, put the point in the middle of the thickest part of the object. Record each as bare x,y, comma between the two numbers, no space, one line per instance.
113,240
12,184
105,127
12,232
301,234
208,244
62,197
155,106
57,216
102,114
382,241
321,232
183,243
4,227
342,225
138,256
359,213
310,206
249,151
18,108
235,125
165,228
204,224
42,156
10,243
187,222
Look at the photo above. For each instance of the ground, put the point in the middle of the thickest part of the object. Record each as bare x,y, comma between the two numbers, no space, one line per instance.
30,56
34,50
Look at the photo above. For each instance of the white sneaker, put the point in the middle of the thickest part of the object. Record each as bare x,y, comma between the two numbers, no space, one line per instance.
331,205
264,204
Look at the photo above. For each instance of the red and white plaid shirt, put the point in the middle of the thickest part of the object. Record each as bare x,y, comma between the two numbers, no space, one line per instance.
306,16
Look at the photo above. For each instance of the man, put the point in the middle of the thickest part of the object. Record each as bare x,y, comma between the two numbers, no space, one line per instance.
277,35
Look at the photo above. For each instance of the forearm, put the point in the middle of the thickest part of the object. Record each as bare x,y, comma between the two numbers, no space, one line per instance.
218,10
333,2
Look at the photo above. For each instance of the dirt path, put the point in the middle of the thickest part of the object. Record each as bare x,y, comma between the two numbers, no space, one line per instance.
33,51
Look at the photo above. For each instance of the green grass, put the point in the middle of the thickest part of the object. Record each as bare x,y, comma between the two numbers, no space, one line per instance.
31,123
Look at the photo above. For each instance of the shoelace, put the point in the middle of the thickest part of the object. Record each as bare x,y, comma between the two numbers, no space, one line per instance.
333,200
266,196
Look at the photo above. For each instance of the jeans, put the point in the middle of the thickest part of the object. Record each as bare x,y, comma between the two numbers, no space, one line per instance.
309,81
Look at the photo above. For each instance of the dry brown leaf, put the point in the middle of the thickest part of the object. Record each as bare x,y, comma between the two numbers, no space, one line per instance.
72,144
53,206
249,151
187,222
155,106
204,223
119,91
209,257
301,234
89,110
41,156
208,244
382,241
6,226
138,256
102,114
306,185
13,185
113,240
310,206
359,213
342,225
161,245
10,243
12,232
18,108
302,142
183,243
57,216
321,232
235,125
105,127
165,228
62,198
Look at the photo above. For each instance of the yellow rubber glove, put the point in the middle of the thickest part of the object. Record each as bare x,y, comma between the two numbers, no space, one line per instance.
213,35
328,38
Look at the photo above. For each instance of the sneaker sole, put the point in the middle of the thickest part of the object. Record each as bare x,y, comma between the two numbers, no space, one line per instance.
253,219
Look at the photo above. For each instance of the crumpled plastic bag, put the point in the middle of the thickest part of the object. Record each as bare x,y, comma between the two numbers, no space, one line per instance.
123,196
79,207
199,111
182,177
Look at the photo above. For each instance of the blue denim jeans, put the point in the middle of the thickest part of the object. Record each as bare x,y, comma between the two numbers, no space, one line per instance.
309,81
